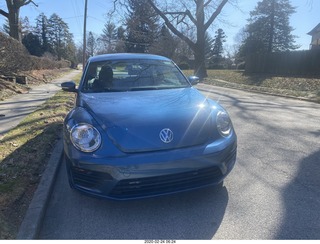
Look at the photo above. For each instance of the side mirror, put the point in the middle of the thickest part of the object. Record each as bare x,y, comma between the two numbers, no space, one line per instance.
193,80
69,86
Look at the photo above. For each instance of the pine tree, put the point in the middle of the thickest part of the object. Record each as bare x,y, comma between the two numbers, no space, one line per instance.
208,48
59,36
269,29
5,27
33,44
25,27
108,37
91,44
120,44
216,49
42,31
142,26
164,44
219,39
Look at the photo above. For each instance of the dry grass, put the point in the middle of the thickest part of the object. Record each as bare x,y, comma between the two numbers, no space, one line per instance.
24,152
302,87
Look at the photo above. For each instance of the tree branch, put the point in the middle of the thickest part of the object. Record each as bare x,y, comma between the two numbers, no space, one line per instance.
215,14
191,17
25,2
207,3
4,13
35,4
171,27
185,13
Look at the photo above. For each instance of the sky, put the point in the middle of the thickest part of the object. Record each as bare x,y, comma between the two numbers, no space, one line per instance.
233,19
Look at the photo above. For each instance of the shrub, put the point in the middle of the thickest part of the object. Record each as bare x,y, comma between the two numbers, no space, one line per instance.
14,57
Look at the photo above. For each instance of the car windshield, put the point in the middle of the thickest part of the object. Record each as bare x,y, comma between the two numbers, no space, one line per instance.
132,75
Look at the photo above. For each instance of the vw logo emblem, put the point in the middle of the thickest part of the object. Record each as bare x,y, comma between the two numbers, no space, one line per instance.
166,135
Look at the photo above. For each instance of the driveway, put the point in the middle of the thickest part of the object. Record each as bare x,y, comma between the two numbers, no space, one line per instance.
272,193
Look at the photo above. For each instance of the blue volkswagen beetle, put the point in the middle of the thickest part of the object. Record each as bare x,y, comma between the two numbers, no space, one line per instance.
139,129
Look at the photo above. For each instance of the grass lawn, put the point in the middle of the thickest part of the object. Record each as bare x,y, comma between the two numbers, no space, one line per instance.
303,87
24,152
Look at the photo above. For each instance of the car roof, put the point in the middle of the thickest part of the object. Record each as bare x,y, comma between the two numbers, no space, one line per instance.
126,56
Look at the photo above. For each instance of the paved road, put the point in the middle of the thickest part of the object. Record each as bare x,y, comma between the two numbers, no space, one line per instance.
272,193
14,109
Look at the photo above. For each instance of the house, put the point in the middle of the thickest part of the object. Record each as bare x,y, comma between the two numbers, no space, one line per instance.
315,41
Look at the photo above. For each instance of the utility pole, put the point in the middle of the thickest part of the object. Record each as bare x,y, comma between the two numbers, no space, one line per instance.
84,35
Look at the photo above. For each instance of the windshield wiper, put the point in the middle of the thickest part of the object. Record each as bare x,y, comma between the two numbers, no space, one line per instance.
146,88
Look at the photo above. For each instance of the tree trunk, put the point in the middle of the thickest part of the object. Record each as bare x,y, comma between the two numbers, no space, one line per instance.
13,17
199,52
199,62
199,21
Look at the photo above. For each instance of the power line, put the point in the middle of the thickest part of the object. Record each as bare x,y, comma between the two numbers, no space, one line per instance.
76,11
84,34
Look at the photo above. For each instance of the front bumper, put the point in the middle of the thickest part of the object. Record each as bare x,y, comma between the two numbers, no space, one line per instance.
149,174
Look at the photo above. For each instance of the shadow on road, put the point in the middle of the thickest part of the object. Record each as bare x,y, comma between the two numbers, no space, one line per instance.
190,215
301,202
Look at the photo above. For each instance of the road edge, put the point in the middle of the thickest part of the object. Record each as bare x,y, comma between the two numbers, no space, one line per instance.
261,92
31,224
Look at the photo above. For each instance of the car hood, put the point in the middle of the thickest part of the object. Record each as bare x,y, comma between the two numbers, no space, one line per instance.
134,120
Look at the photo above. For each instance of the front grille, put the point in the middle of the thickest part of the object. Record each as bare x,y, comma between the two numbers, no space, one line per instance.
164,184
88,179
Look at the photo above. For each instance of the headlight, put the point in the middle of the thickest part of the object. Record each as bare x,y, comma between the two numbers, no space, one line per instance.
224,124
85,137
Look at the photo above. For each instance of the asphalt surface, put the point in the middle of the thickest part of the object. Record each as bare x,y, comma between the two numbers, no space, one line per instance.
272,193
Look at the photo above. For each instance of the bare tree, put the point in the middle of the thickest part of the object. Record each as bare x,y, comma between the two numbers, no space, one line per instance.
197,14
13,16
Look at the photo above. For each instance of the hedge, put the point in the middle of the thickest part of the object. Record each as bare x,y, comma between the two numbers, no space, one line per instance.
14,57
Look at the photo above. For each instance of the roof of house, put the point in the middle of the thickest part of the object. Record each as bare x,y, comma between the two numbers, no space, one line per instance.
314,30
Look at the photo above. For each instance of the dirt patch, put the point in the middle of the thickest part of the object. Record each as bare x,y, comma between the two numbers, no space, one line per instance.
34,78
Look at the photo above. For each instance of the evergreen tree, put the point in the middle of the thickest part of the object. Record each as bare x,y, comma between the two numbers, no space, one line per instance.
33,44
42,31
25,27
91,44
142,26
219,39
5,27
269,29
109,37
120,44
164,44
208,48
70,52
59,36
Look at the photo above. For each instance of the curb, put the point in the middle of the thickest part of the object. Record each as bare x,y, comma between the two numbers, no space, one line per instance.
31,224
